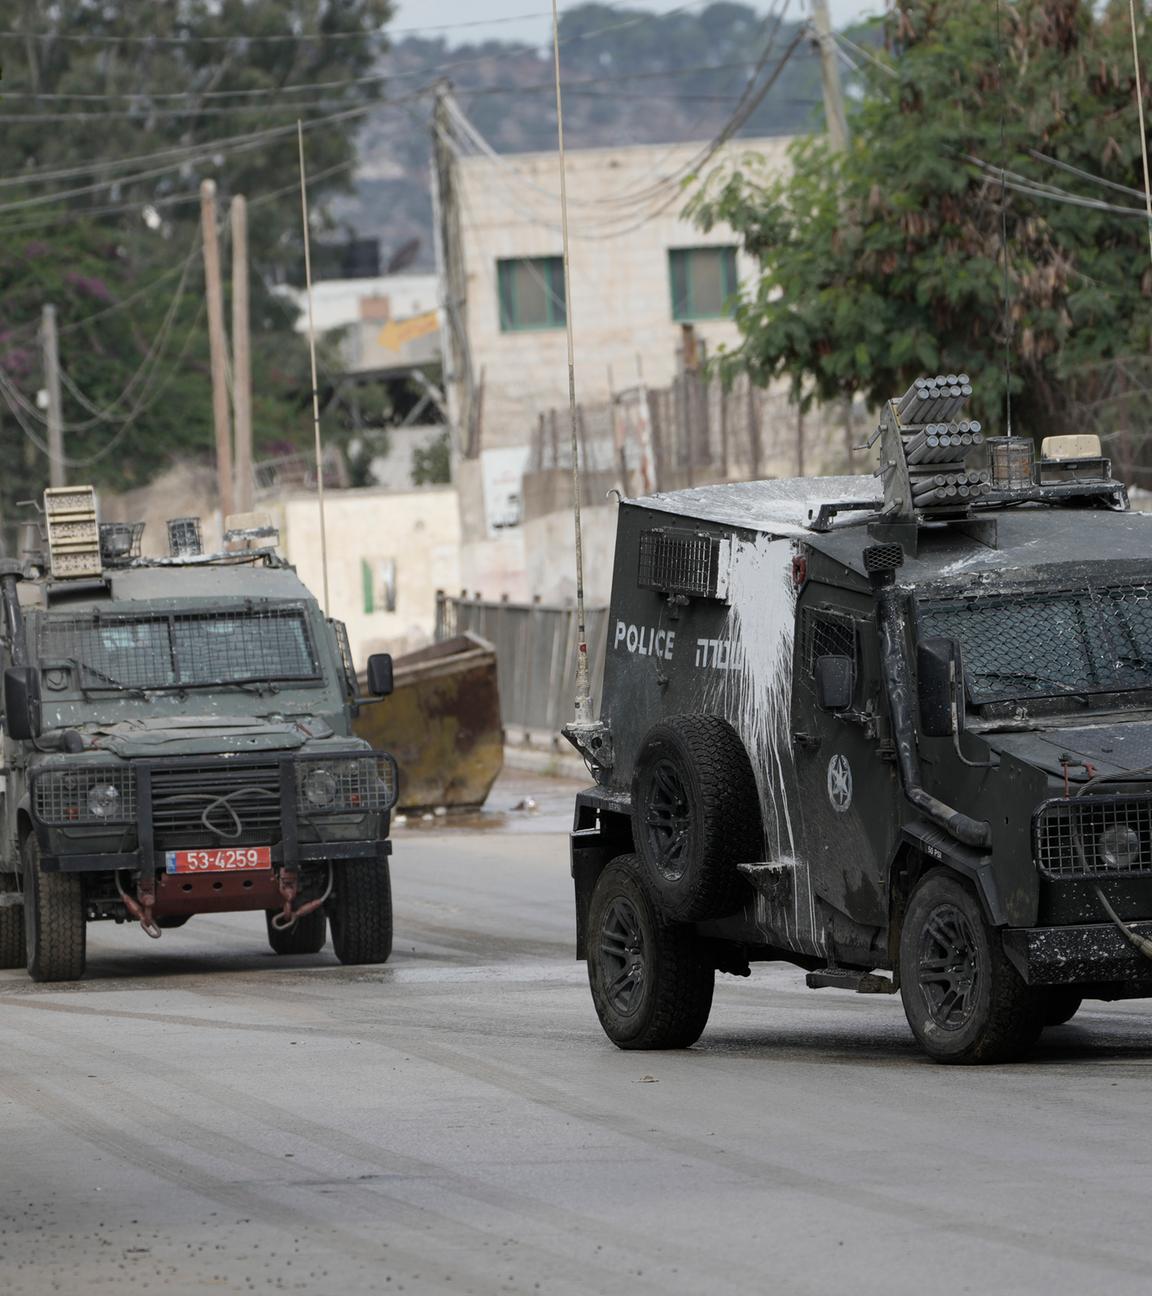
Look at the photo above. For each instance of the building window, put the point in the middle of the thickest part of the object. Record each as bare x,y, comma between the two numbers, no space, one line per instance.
703,282
531,293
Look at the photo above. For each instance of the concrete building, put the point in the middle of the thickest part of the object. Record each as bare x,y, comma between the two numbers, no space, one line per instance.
641,275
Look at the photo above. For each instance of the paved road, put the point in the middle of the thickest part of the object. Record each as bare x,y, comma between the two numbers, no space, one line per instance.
198,1116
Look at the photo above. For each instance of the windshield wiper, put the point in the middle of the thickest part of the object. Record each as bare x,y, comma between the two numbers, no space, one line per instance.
81,666
1022,675
259,687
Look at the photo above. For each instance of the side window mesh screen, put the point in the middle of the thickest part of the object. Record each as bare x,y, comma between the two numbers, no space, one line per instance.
677,561
826,634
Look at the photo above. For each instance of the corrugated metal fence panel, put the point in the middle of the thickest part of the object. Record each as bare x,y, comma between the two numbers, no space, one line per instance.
535,654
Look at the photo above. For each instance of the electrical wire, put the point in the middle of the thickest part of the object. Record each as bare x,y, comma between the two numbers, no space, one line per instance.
386,34
669,187
253,141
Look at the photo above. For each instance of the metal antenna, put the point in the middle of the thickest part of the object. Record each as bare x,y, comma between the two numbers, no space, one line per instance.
1004,228
312,353
1143,129
583,682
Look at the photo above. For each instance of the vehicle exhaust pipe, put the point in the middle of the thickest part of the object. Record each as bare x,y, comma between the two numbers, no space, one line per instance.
881,563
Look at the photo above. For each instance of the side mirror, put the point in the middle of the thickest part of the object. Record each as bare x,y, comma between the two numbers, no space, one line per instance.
835,682
940,672
380,674
22,702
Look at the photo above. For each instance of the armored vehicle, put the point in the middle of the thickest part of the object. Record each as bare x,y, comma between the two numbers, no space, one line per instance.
177,741
903,744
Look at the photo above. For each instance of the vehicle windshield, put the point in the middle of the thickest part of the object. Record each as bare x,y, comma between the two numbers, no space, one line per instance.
1045,644
180,649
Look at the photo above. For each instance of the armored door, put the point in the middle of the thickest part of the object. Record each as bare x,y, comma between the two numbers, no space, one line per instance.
846,778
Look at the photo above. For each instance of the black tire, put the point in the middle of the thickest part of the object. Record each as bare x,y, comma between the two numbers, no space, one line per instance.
172,922
1061,1004
13,952
964,1001
695,816
55,930
360,912
308,936
651,984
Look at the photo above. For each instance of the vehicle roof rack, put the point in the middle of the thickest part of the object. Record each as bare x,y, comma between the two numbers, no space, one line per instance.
938,466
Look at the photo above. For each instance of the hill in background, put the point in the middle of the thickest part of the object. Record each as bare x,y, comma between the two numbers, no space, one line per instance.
631,77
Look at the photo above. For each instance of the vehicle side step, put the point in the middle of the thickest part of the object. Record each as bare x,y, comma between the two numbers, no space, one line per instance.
846,979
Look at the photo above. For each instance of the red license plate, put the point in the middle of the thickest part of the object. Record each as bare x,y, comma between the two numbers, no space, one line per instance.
223,859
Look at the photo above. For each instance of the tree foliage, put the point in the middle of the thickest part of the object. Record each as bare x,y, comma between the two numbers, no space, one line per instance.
889,261
118,253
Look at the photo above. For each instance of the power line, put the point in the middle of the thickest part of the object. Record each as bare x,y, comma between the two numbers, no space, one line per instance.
385,34
202,153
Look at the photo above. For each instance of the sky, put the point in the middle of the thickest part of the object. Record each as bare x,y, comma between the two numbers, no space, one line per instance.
532,18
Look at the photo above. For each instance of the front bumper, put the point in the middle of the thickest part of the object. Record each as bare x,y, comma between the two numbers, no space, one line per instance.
1095,954
274,816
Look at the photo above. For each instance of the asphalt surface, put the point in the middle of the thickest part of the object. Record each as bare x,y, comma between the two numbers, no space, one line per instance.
200,1116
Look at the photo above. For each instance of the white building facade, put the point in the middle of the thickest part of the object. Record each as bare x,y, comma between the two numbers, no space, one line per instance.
641,274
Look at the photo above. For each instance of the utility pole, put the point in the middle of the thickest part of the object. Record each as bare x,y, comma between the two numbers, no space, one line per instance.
241,355
834,114
217,345
51,356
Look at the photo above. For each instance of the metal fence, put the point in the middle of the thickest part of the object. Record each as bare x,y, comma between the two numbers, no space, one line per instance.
694,432
535,653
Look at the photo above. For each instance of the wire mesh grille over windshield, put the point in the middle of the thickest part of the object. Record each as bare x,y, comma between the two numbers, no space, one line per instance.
189,649
1045,644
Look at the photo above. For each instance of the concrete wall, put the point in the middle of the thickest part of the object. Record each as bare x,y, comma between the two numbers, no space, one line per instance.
417,530
550,550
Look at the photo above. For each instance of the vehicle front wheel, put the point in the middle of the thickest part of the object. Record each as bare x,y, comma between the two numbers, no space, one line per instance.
54,926
360,912
964,1000
308,935
651,984
12,950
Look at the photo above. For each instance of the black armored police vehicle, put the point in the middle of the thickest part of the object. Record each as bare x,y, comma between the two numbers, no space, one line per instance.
177,741
895,730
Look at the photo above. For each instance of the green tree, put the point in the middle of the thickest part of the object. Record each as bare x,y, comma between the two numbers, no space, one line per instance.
889,261
195,90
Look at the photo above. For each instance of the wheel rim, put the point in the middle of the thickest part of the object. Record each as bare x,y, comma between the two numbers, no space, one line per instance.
667,819
623,958
948,970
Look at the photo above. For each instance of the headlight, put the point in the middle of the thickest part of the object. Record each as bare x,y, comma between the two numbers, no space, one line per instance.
104,801
93,794
321,789
1118,848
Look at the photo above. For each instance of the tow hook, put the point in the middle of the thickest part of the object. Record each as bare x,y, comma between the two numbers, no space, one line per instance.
141,909
289,889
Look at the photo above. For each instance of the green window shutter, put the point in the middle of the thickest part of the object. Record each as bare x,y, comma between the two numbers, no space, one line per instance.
730,282
505,271
678,278
367,583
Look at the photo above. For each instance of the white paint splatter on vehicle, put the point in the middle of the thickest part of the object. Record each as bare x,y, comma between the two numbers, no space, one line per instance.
756,699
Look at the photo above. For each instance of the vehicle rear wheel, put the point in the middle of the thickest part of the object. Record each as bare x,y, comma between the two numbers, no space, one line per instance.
360,912
12,948
695,816
54,925
1061,1004
964,1000
308,935
172,921
651,984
